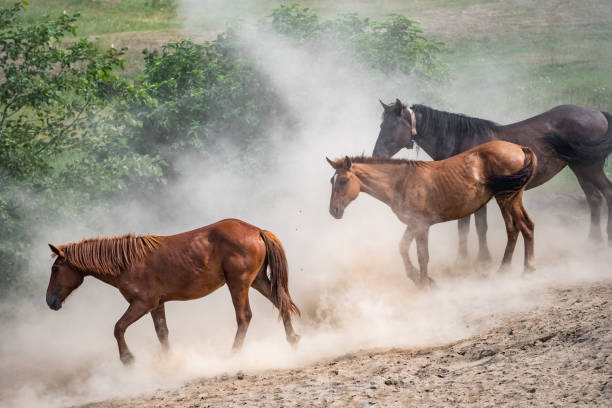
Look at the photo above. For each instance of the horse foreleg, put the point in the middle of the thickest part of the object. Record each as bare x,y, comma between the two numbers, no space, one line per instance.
404,247
159,321
240,298
422,240
136,310
463,225
262,285
505,205
480,219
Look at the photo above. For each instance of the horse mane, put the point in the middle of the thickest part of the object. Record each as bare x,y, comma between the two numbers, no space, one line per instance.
109,255
441,123
386,160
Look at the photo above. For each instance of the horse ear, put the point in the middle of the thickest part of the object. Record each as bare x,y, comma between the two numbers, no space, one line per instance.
332,163
56,250
384,106
399,107
347,163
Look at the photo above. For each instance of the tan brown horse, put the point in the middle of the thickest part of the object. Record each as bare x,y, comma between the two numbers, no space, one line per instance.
423,193
150,270
571,135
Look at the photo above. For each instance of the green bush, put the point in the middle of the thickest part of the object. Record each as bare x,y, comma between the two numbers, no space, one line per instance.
202,96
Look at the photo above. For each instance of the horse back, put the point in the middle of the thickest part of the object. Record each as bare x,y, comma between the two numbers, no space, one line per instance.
489,161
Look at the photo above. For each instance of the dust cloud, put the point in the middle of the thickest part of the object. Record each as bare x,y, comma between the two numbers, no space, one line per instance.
346,275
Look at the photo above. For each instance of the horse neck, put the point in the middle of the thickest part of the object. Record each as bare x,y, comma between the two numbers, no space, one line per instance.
441,140
112,280
379,180
427,139
429,143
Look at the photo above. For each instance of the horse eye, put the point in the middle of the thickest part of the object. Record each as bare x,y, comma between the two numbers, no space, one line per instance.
343,182
54,269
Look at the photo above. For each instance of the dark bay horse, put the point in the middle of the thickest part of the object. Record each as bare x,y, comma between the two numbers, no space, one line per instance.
565,135
150,270
423,193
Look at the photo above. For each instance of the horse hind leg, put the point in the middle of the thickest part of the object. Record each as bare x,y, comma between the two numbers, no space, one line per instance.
262,285
605,187
512,230
159,321
527,230
239,291
594,198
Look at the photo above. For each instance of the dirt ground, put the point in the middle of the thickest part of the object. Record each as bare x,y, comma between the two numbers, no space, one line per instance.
555,356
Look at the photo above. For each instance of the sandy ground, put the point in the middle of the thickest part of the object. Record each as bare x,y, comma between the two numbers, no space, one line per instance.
555,356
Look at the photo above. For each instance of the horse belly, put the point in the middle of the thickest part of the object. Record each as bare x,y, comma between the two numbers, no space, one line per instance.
463,205
193,281
458,198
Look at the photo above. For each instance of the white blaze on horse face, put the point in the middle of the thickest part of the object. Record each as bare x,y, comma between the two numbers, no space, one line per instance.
334,179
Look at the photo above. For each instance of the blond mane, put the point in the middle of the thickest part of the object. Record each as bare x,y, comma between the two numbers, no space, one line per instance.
109,255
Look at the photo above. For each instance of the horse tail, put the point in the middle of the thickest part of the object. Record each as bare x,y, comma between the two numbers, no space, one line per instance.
279,275
579,151
504,186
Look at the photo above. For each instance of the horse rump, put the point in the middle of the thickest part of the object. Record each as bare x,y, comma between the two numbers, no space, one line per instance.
579,151
502,186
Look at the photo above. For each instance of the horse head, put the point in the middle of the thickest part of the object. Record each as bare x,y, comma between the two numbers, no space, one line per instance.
64,279
345,186
397,129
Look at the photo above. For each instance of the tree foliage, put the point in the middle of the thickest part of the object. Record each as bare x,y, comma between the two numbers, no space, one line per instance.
393,46
55,146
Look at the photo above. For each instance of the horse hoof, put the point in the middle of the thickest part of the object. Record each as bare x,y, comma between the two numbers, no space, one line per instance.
484,257
483,264
529,270
127,358
463,263
504,270
294,339
428,284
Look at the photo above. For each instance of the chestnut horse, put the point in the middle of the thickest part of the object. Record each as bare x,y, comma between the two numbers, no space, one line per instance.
150,270
423,193
571,135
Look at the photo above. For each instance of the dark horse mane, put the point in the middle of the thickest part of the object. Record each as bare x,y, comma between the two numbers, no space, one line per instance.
109,255
438,122
386,160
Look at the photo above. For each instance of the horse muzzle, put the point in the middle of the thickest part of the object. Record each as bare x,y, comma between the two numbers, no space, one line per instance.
336,212
54,301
